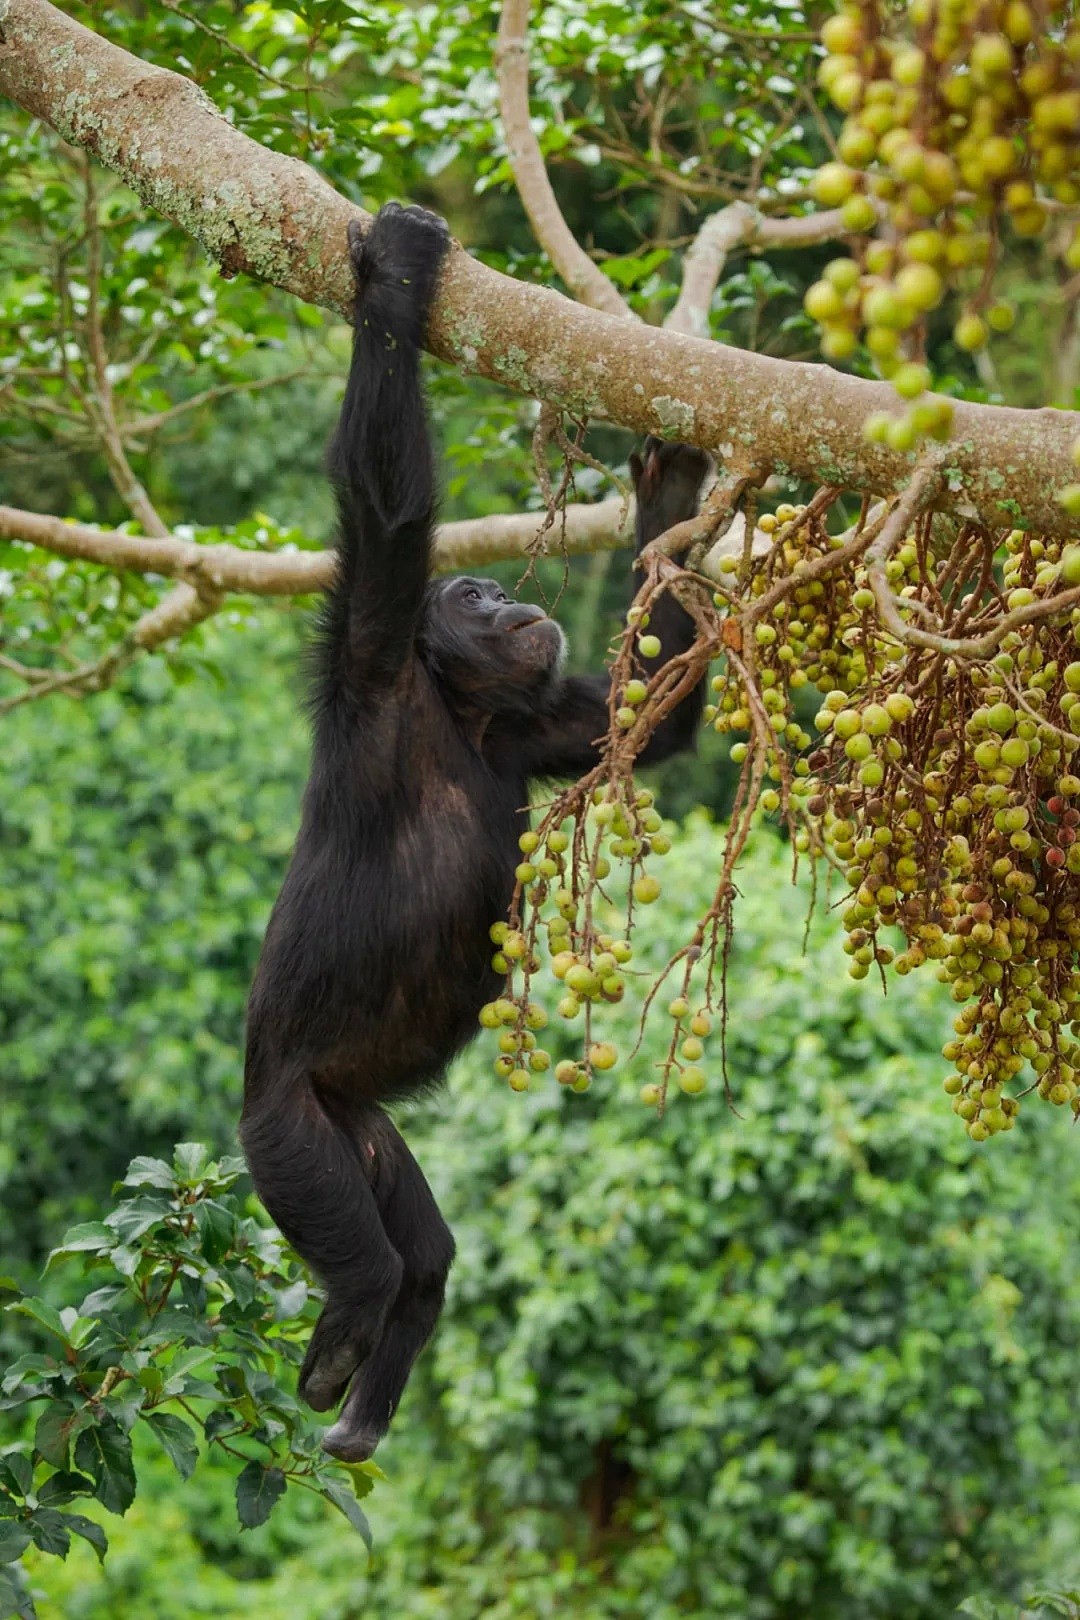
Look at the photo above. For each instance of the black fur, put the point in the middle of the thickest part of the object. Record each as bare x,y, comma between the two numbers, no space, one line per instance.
434,705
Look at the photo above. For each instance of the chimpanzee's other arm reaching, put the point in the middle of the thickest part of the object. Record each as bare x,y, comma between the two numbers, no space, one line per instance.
668,479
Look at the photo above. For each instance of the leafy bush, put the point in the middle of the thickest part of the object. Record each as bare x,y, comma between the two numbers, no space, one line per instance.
189,1330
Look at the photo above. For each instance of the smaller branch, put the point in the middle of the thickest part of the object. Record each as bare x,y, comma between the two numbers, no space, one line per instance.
918,495
695,536
150,424
602,526
23,672
179,611
224,41
100,399
738,225
588,284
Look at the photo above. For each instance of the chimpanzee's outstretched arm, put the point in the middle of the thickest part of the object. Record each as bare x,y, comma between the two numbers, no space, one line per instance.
668,479
381,463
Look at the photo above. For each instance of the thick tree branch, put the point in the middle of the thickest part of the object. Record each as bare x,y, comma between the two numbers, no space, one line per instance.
271,216
585,281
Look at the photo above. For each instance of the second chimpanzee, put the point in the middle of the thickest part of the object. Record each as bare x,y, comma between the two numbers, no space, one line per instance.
436,703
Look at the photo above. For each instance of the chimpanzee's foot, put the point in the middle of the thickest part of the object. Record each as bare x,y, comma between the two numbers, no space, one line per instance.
358,1430
344,1337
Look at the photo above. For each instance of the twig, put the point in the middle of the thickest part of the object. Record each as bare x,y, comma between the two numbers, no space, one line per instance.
100,400
588,284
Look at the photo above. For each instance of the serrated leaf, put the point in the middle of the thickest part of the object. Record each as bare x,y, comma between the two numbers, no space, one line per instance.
56,1428
16,1472
14,1598
178,1441
219,1421
14,1539
102,1300
50,1532
216,1227
243,1282
90,1531
290,1301
258,1489
363,1476
182,1367
91,1237
190,1160
135,1216
62,1487
104,1452
146,1172
32,1362
345,1501
41,1312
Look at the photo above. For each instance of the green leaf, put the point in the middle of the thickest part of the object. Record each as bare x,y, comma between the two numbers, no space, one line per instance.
219,1421
289,1302
14,1539
980,1608
41,1312
190,1159
14,1598
135,1216
63,1487
257,1491
177,1439
216,1227
56,1428
50,1532
16,1472
90,1531
105,1453
90,1237
345,1500
147,1172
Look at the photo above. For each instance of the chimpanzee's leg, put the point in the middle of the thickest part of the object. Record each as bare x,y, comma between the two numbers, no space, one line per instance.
307,1171
415,1227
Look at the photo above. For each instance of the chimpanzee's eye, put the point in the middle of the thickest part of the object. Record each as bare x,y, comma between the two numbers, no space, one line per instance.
472,594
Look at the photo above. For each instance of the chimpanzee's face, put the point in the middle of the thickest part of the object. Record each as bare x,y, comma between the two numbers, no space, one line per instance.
485,648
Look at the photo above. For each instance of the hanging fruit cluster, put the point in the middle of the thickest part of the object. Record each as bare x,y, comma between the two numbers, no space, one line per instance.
943,790
940,781
601,824
962,128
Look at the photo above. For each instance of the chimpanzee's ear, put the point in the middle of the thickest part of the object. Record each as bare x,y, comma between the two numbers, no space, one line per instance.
636,468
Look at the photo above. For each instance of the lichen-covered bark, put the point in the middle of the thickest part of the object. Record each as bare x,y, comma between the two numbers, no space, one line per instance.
269,216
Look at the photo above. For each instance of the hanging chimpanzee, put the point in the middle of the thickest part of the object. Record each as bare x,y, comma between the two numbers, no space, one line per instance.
436,703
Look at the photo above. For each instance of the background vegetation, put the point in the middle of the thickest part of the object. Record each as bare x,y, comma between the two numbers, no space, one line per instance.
811,1356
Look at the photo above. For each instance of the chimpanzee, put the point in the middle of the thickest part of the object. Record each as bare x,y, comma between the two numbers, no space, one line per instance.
435,703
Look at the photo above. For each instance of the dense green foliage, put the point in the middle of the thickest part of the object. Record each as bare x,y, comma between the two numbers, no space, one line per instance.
141,846
186,1332
810,1357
